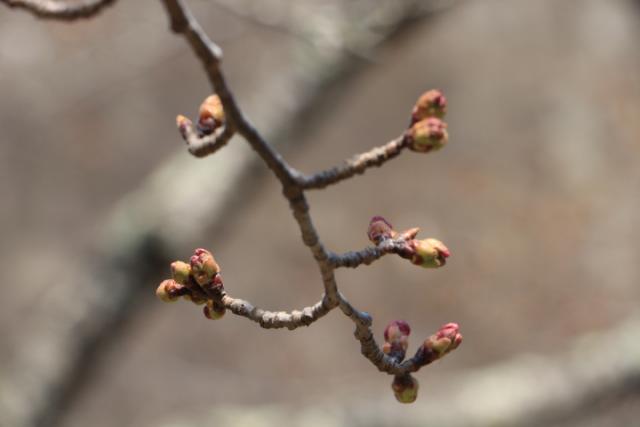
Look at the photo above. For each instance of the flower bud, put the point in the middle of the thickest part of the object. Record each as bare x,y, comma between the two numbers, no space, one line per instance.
203,266
396,336
405,388
170,291
211,115
427,135
432,103
184,124
429,253
213,310
379,230
396,329
180,272
447,339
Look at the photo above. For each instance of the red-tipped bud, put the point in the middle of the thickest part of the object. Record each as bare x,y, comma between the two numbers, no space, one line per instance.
447,339
396,336
432,103
428,135
405,388
429,253
203,266
396,329
211,115
213,310
379,230
180,272
169,291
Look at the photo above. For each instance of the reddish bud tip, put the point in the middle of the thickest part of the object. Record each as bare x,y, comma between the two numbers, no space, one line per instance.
203,266
447,339
427,135
379,230
396,329
432,103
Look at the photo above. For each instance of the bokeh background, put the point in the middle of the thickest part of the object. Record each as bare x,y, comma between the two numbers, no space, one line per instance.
537,195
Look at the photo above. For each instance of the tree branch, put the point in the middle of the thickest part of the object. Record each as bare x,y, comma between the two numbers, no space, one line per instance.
356,165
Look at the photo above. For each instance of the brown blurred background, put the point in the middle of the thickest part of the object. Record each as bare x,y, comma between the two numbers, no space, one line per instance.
537,195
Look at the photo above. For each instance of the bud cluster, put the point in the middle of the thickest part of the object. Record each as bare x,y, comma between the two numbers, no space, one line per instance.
445,340
198,281
427,253
428,132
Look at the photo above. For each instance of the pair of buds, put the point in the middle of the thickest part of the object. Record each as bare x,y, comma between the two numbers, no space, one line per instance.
193,281
210,118
427,131
427,253
396,337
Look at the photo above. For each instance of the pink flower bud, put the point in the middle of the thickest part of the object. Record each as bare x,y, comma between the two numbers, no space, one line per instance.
170,291
396,336
405,388
213,310
427,135
203,266
180,272
379,230
396,329
432,103
429,253
211,115
447,339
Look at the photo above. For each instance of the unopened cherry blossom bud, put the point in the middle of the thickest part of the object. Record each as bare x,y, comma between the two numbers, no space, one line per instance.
432,103
203,266
379,230
429,253
396,336
396,329
213,310
447,339
427,135
405,388
211,115
180,272
169,290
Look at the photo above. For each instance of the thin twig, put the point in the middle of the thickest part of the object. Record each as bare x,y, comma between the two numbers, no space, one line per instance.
358,164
